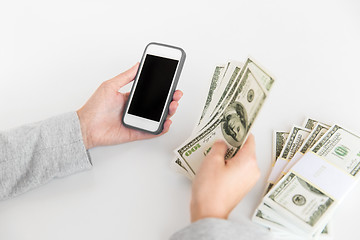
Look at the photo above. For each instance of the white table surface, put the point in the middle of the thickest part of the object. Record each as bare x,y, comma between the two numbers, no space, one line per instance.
53,55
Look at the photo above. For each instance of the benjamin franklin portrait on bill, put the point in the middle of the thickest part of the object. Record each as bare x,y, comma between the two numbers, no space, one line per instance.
234,124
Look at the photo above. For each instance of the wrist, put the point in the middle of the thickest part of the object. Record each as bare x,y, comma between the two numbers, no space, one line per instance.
203,210
85,132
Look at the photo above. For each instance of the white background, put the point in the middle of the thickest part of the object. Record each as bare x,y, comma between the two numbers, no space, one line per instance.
54,54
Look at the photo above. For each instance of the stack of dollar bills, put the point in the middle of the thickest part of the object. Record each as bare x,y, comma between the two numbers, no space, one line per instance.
314,166
236,95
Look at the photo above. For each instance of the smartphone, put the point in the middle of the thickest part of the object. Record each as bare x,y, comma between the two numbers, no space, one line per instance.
153,87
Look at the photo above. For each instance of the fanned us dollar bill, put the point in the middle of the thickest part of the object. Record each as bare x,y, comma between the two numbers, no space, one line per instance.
303,201
317,132
294,147
230,80
279,140
293,142
216,80
220,81
235,115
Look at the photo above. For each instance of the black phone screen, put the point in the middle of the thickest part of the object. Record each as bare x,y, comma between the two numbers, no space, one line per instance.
153,87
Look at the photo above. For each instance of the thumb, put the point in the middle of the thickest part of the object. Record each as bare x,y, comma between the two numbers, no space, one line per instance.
247,150
124,78
217,153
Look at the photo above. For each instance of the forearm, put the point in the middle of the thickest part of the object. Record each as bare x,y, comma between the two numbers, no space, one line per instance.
34,154
220,229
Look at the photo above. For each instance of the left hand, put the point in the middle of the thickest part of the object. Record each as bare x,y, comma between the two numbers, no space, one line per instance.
100,118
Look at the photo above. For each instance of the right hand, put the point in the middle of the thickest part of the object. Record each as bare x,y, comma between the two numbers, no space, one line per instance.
221,184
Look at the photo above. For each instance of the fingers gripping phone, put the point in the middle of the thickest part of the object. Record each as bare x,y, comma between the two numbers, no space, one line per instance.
153,87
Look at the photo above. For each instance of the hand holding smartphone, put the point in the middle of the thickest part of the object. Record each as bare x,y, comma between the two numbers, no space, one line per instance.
153,87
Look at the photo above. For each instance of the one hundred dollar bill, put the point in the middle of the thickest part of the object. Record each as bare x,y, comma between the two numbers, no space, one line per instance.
213,86
341,148
279,139
310,123
318,131
224,87
257,71
265,215
293,142
232,77
179,167
232,125
298,200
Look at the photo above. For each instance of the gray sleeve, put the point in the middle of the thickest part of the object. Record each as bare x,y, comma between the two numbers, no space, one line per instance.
34,154
220,229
